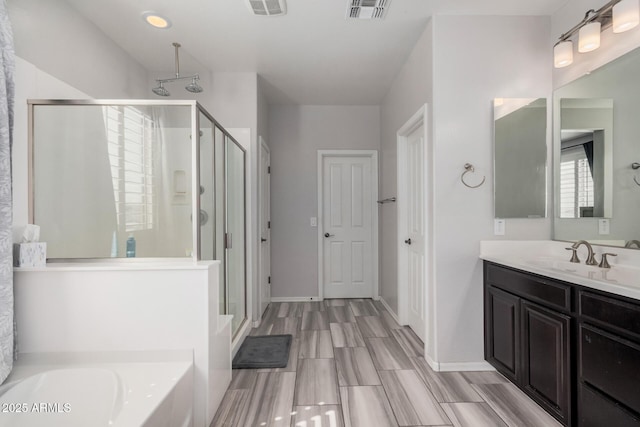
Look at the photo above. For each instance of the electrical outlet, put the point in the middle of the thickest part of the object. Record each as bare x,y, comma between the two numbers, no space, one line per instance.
499,227
603,226
313,221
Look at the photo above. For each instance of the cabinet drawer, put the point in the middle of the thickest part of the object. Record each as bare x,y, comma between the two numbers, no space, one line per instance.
610,364
613,312
596,411
538,289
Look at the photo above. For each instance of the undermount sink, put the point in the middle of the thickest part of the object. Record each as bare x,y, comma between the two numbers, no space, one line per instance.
617,274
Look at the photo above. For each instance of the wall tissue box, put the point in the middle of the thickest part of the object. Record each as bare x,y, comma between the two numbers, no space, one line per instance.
30,254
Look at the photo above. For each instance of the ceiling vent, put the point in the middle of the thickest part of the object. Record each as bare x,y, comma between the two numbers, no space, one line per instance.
367,9
267,7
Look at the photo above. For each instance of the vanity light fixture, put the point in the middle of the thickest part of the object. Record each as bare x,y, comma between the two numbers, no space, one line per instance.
623,15
192,87
156,20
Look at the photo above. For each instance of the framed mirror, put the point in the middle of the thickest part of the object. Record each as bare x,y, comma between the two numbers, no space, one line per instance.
595,145
520,157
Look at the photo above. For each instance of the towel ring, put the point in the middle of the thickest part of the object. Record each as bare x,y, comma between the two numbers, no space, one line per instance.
635,166
468,167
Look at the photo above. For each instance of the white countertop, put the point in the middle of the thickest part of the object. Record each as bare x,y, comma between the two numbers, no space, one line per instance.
549,258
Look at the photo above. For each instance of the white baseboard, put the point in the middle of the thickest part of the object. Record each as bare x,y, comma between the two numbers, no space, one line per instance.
459,366
391,312
294,299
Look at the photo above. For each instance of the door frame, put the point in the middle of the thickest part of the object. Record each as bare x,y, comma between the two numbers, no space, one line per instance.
262,144
373,155
420,118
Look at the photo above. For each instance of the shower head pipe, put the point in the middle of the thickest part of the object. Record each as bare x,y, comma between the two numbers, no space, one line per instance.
192,87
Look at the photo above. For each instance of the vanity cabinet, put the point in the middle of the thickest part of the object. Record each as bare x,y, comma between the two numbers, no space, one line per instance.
527,335
573,350
608,359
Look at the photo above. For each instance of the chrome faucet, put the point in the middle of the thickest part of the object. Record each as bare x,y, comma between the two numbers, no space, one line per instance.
591,260
630,243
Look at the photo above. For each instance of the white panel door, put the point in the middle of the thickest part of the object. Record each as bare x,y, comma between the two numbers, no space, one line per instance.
347,227
265,229
415,240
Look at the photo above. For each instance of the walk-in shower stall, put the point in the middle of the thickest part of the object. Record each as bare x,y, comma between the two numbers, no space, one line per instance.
139,180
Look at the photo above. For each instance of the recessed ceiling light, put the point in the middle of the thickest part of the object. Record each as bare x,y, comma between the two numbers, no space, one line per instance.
156,20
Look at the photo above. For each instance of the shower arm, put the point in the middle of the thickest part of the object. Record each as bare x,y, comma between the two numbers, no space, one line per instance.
177,77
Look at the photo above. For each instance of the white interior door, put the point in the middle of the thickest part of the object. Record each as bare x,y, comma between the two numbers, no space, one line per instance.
265,227
347,227
415,238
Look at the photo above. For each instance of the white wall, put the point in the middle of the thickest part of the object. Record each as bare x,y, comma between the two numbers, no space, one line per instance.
412,88
55,38
296,133
476,59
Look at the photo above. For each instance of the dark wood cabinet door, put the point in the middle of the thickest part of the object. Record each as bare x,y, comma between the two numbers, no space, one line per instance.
502,325
546,372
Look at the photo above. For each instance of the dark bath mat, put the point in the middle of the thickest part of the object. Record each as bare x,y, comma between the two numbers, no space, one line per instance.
268,351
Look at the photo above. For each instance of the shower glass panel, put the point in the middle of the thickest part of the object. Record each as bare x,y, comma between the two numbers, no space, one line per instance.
208,212
235,221
162,173
102,174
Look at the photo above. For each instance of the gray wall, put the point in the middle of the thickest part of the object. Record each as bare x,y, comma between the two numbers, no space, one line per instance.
411,89
296,133
509,57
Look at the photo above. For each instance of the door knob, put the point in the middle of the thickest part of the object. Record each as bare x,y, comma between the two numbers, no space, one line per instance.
262,239
328,235
408,241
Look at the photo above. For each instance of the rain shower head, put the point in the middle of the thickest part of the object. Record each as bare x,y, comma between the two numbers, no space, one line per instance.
192,87
160,90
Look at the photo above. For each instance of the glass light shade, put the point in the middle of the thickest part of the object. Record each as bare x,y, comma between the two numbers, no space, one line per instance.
626,15
563,54
589,37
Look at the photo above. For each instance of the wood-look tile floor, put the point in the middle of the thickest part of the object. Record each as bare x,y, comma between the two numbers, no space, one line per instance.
352,365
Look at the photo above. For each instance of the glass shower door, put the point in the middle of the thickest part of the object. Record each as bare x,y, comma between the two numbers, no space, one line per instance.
235,237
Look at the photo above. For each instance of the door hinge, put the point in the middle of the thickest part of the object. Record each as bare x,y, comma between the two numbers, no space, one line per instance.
268,169
268,224
269,279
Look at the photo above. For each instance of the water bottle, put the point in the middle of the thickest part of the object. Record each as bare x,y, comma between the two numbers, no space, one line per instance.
131,246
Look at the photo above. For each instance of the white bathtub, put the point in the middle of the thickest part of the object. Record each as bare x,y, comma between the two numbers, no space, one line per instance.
99,394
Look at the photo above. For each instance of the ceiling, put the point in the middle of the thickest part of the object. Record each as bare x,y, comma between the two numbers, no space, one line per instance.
311,55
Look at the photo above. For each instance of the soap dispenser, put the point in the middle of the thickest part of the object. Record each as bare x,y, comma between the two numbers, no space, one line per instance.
131,246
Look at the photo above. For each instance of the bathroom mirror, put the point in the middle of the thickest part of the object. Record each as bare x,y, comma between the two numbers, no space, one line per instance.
520,157
586,140
596,142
